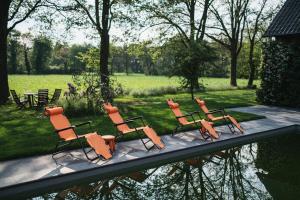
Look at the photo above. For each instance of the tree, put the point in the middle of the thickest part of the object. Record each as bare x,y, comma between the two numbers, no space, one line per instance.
143,51
255,24
26,40
75,64
99,16
61,56
41,53
13,50
188,63
186,19
12,12
230,17
90,57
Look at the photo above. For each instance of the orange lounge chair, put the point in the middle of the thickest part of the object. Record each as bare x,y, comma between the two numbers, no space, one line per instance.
67,135
206,130
123,128
231,122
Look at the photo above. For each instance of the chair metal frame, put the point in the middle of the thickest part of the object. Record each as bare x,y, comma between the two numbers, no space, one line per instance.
229,124
223,113
131,120
204,134
62,143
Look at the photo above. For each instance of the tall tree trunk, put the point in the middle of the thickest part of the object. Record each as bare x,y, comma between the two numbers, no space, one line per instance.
195,82
233,67
65,67
26,60
126,63
126,59
104,52
4,90
13,56
192,89
251,65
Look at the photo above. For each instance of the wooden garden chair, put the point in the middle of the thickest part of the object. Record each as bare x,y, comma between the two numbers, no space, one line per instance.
55,97
230,121
21,103
67,134
205,128
123,128
42,98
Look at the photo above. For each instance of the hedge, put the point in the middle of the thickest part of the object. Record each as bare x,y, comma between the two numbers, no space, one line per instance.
280,75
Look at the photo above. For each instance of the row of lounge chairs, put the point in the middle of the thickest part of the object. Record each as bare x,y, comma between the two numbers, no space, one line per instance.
67,132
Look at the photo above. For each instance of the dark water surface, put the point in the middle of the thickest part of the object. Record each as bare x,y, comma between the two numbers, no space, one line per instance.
269,169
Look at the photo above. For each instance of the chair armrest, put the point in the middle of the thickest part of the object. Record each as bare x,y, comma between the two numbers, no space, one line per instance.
134,118
216,111
188,114
125,122
195,112
84,123
64,129
138,117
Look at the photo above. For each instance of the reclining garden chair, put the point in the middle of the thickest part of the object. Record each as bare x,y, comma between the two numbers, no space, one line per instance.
205,128
231,122
123,128
68,135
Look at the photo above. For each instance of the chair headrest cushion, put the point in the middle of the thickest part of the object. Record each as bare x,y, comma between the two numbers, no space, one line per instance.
173,105
111,109
53,111
201,102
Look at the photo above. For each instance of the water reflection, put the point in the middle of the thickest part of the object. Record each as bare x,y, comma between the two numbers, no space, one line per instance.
263,170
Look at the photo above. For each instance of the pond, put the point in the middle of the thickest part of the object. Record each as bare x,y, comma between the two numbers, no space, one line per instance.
267,169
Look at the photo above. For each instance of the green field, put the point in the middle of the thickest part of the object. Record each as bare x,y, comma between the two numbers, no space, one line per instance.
28,132
133,82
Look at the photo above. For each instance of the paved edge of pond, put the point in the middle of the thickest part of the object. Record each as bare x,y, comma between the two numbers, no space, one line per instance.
18,177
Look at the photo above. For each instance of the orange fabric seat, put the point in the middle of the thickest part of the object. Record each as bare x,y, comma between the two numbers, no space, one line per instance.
67,133
206,129
99,145
224,116
123,127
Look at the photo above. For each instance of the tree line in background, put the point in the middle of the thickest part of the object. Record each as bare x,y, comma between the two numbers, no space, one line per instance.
201,38
42,55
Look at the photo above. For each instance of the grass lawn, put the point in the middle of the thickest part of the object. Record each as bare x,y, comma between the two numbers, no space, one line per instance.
133,82
28,132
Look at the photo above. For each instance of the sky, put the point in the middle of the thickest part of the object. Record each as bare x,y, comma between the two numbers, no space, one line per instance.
81,36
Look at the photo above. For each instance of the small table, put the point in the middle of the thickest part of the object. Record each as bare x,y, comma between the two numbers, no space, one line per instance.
30,97
111,141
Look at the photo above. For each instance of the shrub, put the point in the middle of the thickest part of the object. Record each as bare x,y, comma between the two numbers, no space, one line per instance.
85,98
77,106
156,91
280,76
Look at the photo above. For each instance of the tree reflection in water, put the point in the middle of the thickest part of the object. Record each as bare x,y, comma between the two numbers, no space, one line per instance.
237,173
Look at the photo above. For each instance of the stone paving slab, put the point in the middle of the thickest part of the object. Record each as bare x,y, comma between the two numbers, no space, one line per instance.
39,167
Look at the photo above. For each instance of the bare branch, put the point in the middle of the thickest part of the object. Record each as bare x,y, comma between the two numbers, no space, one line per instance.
30,11
85,9
220,19
16,10
218,40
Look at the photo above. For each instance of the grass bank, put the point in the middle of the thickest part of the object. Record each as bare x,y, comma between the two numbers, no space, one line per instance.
134,83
